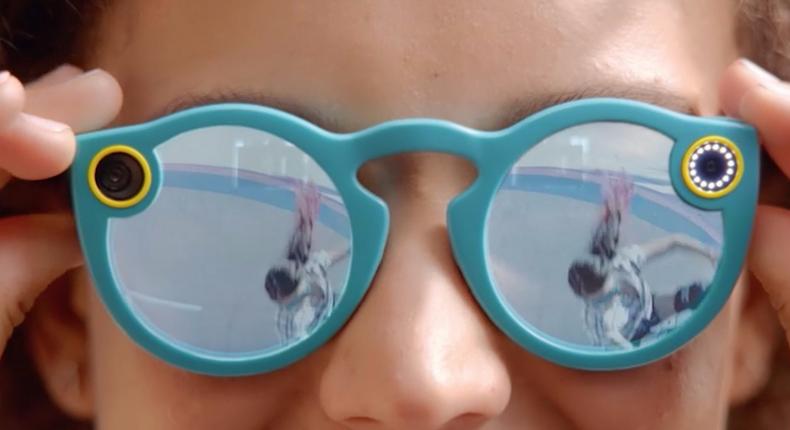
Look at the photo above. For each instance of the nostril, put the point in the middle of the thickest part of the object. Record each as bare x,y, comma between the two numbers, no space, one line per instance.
466,421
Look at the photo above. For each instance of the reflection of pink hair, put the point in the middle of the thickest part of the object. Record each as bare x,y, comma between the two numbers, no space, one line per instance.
308,202
616,191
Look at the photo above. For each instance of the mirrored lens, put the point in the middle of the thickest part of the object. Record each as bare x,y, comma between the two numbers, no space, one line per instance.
245,249
588,243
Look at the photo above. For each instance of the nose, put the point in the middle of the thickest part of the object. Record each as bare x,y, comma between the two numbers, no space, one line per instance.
418,353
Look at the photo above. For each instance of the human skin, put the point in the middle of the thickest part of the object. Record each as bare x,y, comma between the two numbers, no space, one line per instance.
418,353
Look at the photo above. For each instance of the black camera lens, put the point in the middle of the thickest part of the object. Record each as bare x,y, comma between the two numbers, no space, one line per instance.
712,166
119,176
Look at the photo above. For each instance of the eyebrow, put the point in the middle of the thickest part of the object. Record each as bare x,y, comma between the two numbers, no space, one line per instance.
513,112
655,95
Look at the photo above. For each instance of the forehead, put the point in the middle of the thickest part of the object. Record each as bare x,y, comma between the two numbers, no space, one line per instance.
361,62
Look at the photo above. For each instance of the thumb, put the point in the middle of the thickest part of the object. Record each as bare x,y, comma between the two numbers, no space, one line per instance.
35,250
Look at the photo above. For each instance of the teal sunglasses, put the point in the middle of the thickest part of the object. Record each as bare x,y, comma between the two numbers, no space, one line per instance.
234,239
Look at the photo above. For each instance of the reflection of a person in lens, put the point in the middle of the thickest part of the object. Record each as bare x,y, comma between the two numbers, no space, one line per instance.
299,284
620,309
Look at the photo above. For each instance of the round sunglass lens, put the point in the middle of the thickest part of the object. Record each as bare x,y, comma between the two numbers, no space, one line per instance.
589,244
245,249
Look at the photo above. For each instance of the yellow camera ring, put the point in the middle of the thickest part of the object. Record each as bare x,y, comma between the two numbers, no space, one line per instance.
712,167
101,195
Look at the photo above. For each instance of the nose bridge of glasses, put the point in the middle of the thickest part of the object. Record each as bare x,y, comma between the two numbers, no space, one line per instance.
409,159
417,178
416,135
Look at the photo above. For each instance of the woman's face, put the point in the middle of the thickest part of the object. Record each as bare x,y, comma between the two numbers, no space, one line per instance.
418,353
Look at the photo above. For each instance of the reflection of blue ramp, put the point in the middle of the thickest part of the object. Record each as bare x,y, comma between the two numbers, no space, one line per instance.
663,208
272,190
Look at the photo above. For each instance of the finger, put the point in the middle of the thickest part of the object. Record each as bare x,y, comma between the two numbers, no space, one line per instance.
87,101
754,95
738,79
29,148
12,98
35,148
768,258
56,76
34,251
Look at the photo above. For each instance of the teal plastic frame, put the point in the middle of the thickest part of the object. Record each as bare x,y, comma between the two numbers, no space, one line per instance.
493,153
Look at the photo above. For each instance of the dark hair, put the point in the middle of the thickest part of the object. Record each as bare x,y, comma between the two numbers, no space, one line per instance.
280,282
586,277
36,36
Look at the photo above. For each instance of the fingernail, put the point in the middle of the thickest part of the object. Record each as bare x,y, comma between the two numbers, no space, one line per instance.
59,73
780,88
93,71
88,74
4,75
47,124
755,100
762,75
